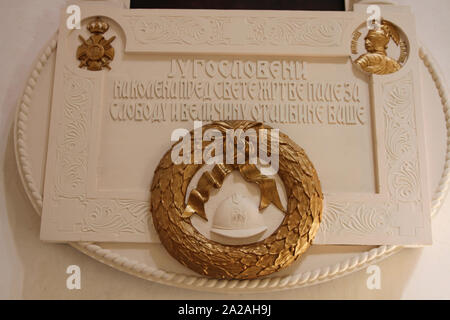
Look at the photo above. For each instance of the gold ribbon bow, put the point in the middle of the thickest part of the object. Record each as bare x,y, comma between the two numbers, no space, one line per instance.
214,179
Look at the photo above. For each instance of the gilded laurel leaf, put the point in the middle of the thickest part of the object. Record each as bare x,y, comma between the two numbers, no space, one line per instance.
266,260
276,246
249,260
284,258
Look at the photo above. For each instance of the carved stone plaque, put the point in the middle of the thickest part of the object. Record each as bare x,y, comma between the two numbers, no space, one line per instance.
294,71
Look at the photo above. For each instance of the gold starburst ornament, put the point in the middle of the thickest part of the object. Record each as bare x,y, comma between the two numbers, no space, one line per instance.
96,52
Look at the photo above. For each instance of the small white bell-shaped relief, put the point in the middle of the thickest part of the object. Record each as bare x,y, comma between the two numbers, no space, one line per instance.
238,217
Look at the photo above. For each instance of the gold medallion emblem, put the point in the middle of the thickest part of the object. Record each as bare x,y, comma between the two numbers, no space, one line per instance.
171,215
376,59
96,52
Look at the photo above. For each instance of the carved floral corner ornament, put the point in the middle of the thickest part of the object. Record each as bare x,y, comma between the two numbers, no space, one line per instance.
376,59
96,52
172,216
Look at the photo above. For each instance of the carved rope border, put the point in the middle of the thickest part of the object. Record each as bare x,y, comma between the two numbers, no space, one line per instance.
146,272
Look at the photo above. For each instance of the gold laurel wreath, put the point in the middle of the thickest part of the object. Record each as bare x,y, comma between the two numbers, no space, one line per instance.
171,216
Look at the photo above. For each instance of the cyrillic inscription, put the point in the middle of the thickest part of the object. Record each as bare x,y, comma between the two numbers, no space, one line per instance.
260,90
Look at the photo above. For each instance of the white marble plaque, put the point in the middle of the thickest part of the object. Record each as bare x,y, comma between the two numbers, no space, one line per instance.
291,70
